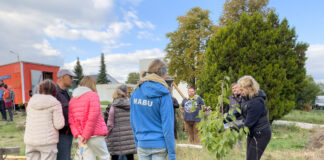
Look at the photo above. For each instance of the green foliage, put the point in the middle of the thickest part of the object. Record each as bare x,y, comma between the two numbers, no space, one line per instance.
102,78
211,127
263,48
308,94
133,78
78,71
233,9
187,46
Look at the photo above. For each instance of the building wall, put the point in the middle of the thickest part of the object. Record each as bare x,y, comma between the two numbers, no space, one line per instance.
38,67
14,82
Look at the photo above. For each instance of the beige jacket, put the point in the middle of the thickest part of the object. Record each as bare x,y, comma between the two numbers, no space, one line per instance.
44,119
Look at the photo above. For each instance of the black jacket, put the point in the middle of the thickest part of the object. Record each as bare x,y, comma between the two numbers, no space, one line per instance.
255,113
64,98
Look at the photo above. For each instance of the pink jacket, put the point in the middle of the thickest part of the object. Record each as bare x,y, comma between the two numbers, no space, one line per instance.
85,116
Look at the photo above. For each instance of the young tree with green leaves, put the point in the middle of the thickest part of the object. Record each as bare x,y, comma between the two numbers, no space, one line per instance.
133,78
185,52
102,78
264,48
78,71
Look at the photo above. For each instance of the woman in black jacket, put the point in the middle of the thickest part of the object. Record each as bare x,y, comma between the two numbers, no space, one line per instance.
255,114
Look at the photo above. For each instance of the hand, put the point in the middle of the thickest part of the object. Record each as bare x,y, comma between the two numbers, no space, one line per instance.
81,139
84,141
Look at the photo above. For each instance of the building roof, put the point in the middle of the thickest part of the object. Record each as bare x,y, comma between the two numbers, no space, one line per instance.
109,77
29,63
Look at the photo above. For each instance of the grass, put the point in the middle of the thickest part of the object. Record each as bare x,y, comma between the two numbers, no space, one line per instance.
105,103
288,142
315,116
12,133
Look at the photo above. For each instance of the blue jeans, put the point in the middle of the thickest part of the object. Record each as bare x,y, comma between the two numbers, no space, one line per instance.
152,153
64,147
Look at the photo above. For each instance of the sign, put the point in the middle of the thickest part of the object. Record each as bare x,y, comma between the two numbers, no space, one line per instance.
5,77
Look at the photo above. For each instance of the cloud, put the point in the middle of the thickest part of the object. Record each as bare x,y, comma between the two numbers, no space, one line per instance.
45,48
118,65
147,35
314,63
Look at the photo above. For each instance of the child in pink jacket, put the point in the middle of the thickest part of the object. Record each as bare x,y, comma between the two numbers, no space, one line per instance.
86,121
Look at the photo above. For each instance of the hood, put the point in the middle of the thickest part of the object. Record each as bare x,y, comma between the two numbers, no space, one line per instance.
262,94
42,101
153,86
80,91
121,103
153,89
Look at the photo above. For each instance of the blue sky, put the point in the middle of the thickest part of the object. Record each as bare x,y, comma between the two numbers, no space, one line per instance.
56,32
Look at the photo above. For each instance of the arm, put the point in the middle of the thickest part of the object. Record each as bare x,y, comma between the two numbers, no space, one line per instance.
94,113
74,129
132,120
254,112
111,119
167,117
58,118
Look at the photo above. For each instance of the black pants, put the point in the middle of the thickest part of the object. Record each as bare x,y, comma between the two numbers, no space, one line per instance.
10,113
257,143
3,110
128,156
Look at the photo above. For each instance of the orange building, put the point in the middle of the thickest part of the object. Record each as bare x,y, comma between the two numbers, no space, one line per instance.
23,77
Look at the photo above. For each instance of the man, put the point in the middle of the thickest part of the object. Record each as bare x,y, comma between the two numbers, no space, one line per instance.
2,103
191,107
235,100
64,81
152,115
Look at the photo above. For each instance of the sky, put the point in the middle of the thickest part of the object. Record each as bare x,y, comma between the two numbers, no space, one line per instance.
56,32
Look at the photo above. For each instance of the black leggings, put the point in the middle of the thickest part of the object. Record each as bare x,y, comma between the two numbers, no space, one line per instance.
129,157
257,143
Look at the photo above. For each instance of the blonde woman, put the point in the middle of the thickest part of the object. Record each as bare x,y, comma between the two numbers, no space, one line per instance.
255,114
86,121
120,136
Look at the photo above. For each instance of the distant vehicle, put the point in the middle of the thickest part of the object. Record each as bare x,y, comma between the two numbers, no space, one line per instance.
319,102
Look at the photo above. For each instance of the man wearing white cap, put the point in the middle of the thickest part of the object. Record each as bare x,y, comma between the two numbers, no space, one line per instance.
64,81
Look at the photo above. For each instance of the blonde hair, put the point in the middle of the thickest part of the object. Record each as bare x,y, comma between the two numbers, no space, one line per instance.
120,92
157,66
89,82
250,84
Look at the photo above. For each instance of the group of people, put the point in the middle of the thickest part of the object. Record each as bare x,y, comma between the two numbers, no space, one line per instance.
7,99
142,123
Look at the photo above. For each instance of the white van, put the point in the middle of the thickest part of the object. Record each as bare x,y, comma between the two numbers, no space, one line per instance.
319,102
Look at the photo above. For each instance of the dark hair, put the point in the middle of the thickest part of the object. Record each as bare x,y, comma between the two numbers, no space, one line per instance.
192,88
5,86
47,87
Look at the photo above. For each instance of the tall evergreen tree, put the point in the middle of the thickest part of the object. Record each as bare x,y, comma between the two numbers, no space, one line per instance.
102,78
267,49
187,46
78,71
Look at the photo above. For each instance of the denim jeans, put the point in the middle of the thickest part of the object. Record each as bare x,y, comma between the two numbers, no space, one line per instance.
64,147
152,153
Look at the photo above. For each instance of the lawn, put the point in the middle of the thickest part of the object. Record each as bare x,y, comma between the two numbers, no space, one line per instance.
288,142
315,116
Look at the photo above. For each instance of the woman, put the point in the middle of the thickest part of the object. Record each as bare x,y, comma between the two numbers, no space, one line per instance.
152,114
44,119
86,121
255,114
120,135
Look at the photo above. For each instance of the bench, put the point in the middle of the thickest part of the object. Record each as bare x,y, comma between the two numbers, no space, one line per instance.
9,150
